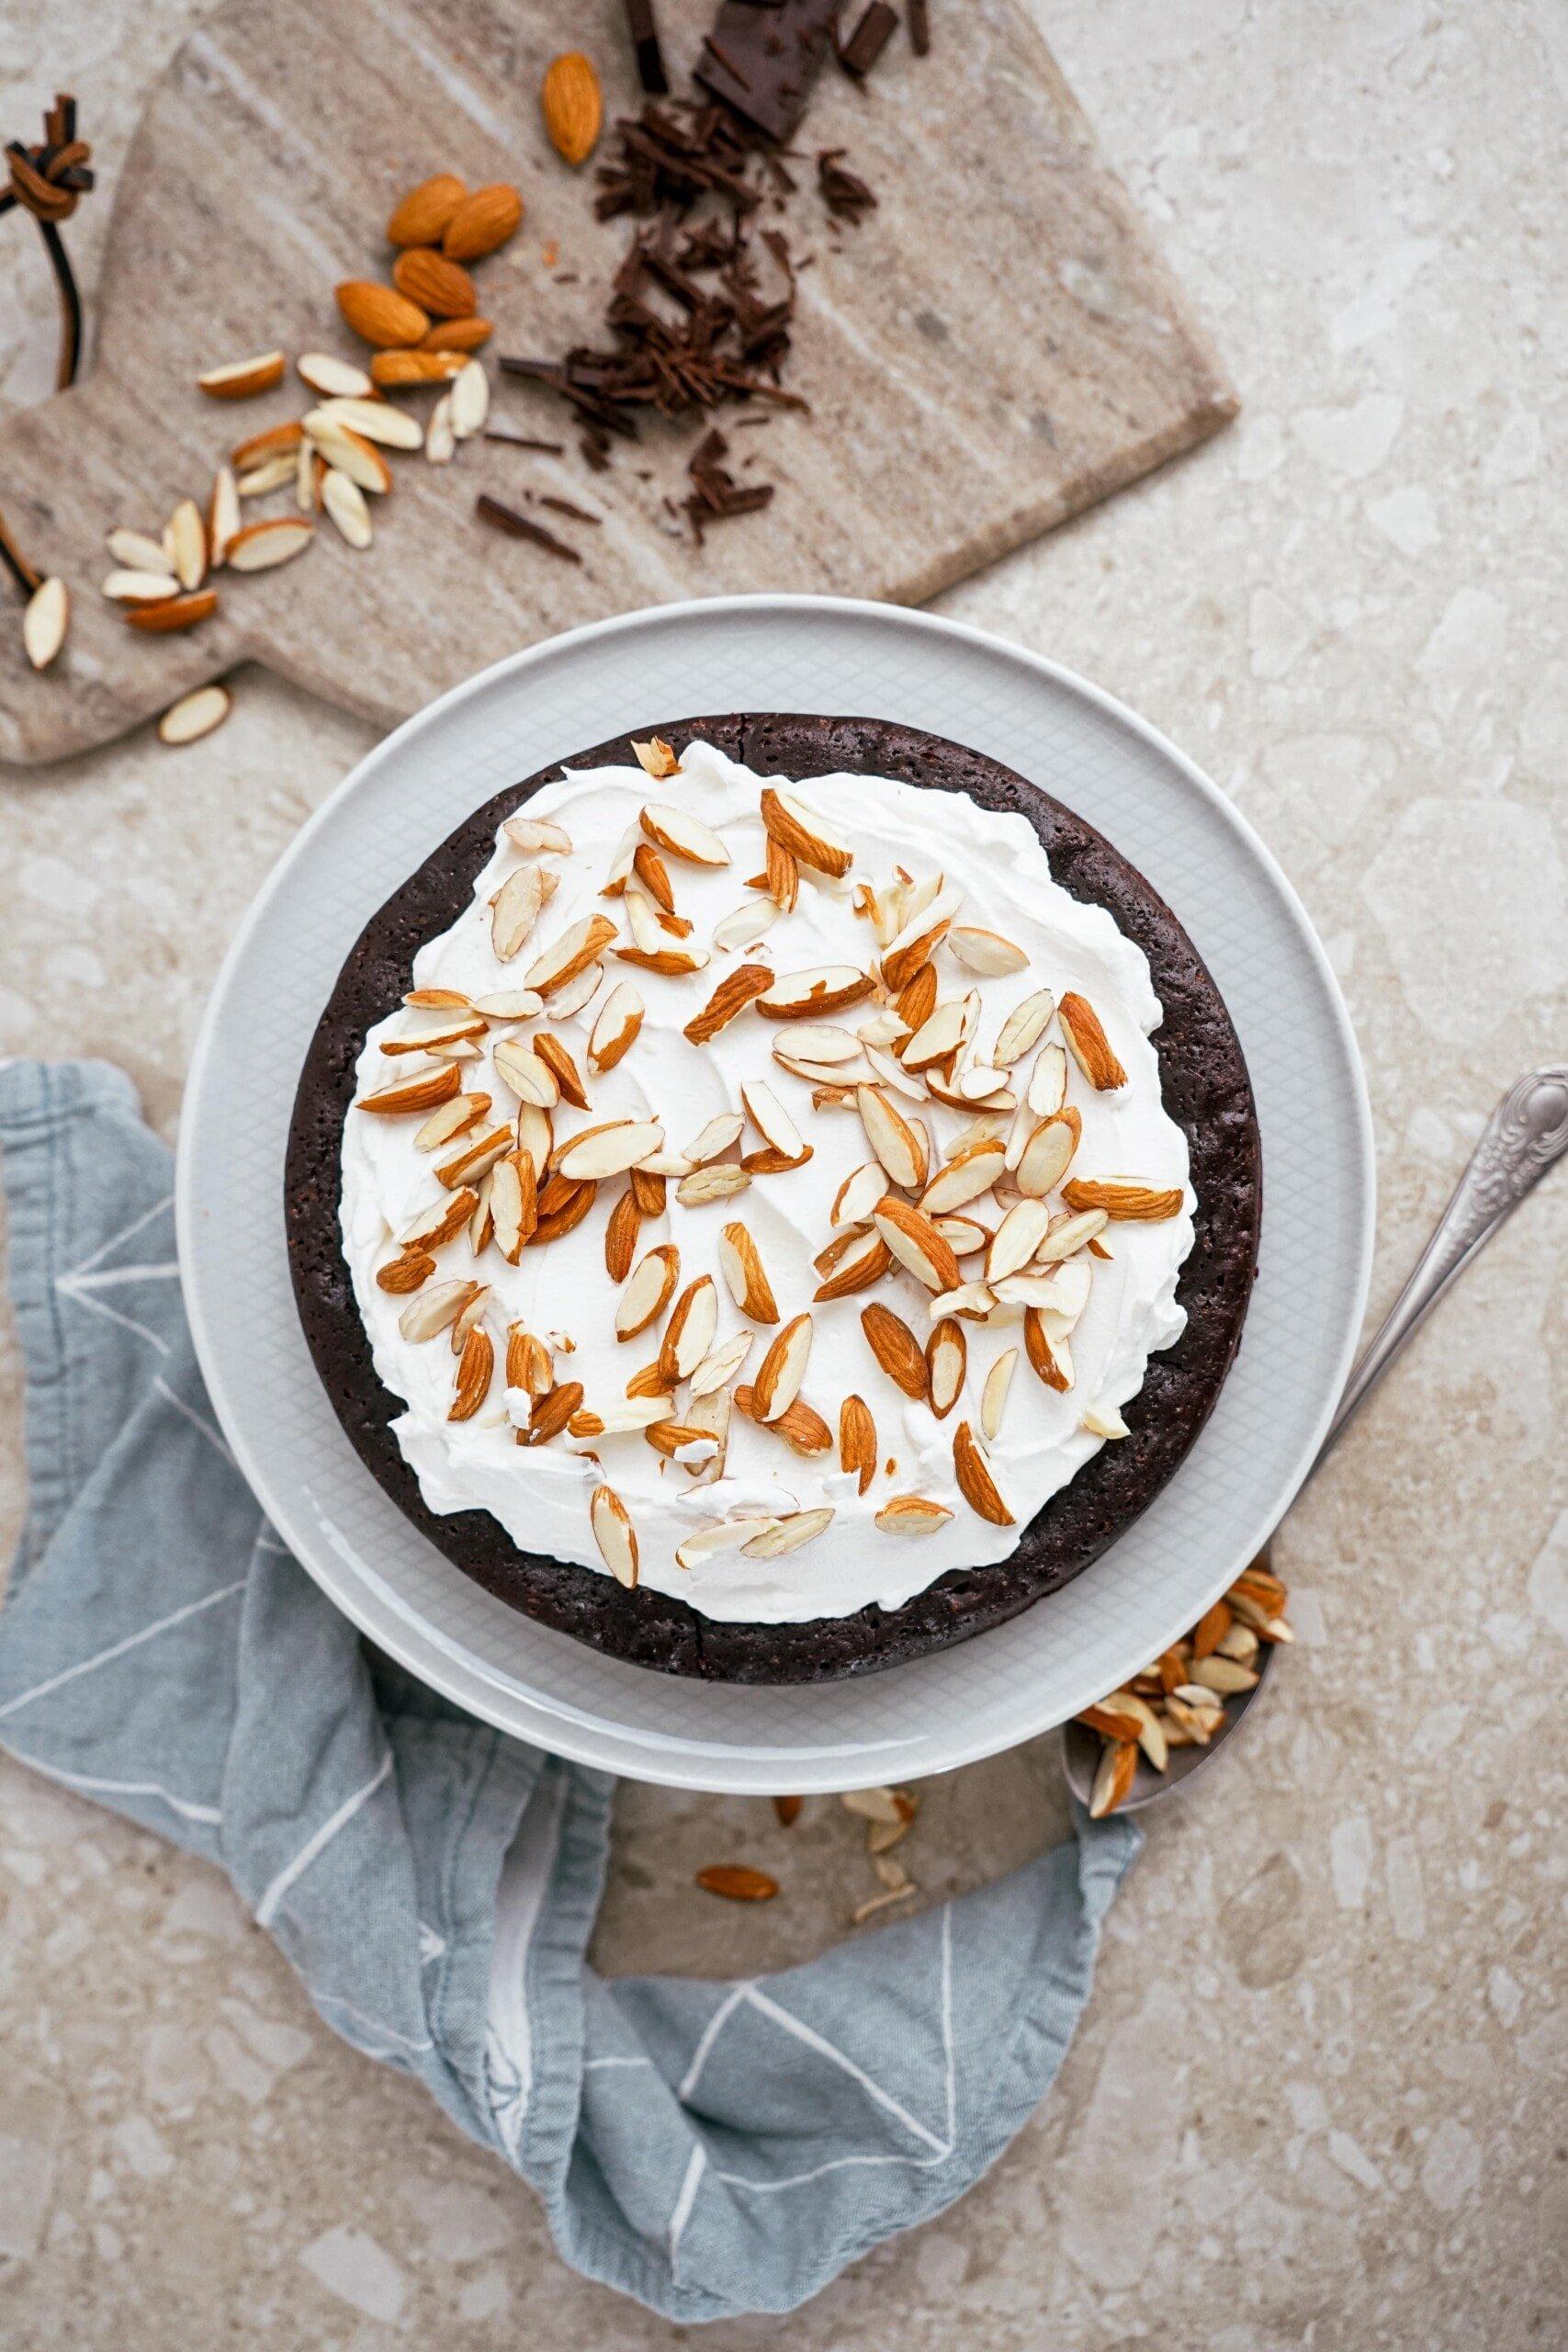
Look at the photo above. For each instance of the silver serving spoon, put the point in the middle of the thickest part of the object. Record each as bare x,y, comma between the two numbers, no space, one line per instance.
1527,1132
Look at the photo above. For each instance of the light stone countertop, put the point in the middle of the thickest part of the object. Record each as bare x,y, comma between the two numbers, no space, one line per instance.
1318,2097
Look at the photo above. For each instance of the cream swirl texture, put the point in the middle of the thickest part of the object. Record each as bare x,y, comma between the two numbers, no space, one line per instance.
997,868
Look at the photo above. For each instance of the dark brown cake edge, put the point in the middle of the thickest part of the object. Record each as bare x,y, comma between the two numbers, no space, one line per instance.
1206,1087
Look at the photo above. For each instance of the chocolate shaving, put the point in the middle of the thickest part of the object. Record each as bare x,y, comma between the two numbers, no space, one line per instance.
846,195
525,441
715,495
506,518
565,506
871,35
644,31
919,16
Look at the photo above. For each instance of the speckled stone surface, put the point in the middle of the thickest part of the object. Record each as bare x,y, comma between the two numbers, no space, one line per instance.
1318,2097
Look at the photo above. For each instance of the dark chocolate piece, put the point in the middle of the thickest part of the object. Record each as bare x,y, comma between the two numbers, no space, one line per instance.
919,16
644,30
764,62
1204,1084
845,194
506,518
876,28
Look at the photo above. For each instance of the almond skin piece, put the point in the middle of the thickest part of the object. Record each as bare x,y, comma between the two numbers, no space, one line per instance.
975,1483
421,216
733,993
379,314
1089,1045
857,1440
481,222
736,1882
442,287
573,106
898,1351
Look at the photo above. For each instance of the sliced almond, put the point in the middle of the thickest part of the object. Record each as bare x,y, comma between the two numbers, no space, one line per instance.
654,875
856,1198
857,1440
719,1181
994,1396
513,1204
1052,1359
188,544
913,1515
746,925
608,1151
745,1275
531,1079
1047,1155
426,1317
648,1291
799,829
917,1003
475,1367
469,395
343,501
1065,1234
834,1074
475,1158
782,1369
538,836
134,551
451,1119
1102,1419
681,834
1024,1028
689,1334
1016,1238
334,378
655,758
939,1036
194,715
733,993
898,1351
1113,1778
260,545
440,1223
972,1170
723,1536
536,1134
891,1137
780,877
710,1415
986,952
551,1413
515,910
579,945
684,1442
557,1056
863,1259
620,1237
615,1026
787,1535
975,1483
721,1364
614,1534
805,996
947,1356
420,1094
921,935
529,1362
241,379
916,1243
671,963
259,481
773,1122
1089,1043
802,1429
1048,1081
974,1301
574,995
137,587
1120,1197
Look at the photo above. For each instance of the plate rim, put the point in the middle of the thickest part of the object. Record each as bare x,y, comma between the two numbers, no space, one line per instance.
667,1760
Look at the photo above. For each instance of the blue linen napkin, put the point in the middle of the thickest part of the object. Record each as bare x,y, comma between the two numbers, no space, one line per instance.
712,2149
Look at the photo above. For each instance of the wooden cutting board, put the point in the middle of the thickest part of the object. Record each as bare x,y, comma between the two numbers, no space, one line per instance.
996,346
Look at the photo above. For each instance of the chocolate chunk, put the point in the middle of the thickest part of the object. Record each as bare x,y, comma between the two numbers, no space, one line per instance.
919,15
870,37
764,62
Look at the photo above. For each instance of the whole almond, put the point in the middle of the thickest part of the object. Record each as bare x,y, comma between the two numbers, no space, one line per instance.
573,106
396,370
458,334
857,1440
481,222
738,1882
898,1351
422,216
379,314
440,287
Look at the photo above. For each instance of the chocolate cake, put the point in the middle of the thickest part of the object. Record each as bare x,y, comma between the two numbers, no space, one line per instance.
1204,1087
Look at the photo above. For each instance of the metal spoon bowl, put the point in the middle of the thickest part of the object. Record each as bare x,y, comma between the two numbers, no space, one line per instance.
1525,1134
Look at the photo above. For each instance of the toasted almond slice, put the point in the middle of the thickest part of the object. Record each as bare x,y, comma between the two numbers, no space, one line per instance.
916,1243
911,1515
538,836
856,1201
973,1170
615,1026
614,1534
800,830
1113,1778
579,945
689,1334
857,1440
721,1363
1047,1156
344,504
805,996
733,993
921,935
975,1484
719,1181
773,1122
681,834
947,1356
194,715
422,1093
782,1369
609,1150
986,952
994,1396
891,1137
746,925
745,1275
787,1535
863,1259
1024,1027
1016,1238
655,758
260,545
1120,1198
426,1317
722,1535
1052,1359
240,380
898,1351
1089,1045
476,1366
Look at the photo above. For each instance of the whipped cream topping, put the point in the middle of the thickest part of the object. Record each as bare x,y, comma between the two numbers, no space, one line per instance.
541,1493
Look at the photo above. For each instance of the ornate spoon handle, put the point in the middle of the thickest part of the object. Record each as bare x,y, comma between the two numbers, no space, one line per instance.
1527,1132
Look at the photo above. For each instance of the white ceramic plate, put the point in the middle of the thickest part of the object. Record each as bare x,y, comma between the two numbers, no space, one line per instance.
808,654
